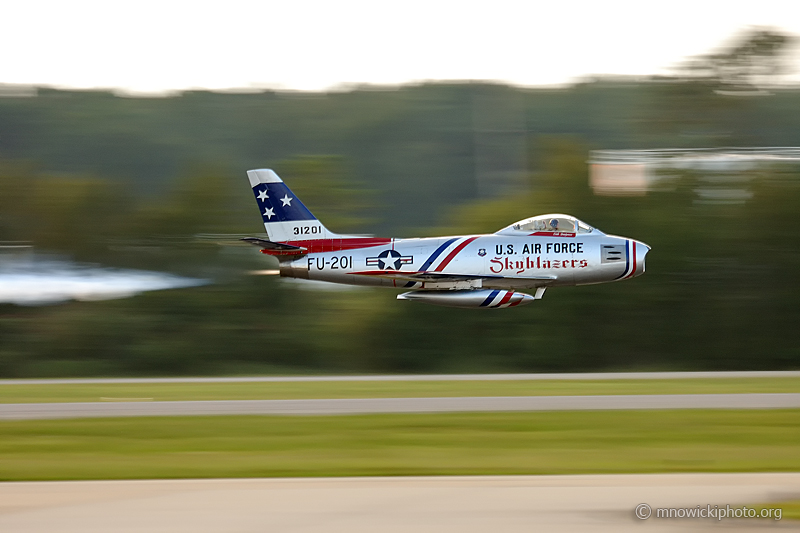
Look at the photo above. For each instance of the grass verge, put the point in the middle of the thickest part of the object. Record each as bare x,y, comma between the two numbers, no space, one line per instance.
386,445
382,389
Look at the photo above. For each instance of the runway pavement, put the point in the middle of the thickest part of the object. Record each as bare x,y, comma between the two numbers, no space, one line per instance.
421,377
508,504
32,411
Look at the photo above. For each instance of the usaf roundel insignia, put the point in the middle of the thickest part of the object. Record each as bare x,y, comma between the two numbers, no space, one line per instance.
482,252
389,260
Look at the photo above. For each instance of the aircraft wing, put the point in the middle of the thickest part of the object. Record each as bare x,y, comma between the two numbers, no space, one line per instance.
405,275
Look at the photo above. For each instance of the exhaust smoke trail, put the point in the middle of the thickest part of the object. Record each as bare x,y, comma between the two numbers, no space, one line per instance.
36,281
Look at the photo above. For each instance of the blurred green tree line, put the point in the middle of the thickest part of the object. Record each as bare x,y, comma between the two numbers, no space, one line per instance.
721,289
418,149
134,182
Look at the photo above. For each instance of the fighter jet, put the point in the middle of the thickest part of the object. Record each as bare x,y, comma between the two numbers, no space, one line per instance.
477,271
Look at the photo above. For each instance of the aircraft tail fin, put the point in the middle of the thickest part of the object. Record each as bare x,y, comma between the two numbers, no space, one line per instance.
284,215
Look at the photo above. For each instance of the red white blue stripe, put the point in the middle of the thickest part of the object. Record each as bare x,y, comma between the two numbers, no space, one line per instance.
500,299
457,243
630,259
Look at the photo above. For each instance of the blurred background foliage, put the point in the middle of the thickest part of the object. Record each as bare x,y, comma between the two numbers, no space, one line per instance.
138,182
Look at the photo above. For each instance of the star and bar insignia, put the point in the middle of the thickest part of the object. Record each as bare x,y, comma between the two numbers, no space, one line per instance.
390,260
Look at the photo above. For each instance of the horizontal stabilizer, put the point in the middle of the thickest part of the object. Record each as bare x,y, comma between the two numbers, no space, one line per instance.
275,248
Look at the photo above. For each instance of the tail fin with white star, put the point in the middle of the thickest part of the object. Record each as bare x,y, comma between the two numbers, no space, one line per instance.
285,217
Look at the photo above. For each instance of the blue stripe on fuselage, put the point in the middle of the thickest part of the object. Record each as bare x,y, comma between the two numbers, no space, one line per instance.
433,257
627,260
488,300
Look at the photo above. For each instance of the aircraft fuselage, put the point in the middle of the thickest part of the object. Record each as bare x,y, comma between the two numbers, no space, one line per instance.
502,261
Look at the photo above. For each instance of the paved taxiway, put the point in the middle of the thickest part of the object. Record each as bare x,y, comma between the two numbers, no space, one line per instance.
420,504
32,411
422,377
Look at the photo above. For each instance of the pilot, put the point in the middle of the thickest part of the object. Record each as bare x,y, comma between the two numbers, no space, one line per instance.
553,224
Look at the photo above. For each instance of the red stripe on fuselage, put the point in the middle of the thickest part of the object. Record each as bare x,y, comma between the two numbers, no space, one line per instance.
385,272
333,245
452,254
505,299
552,234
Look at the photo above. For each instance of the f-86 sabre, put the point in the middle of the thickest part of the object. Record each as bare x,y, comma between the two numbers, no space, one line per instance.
479,271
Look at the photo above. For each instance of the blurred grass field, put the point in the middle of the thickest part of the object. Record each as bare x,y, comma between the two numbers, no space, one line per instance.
395,444
27,393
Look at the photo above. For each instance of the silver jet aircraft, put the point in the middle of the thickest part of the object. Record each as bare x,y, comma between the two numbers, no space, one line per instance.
479,271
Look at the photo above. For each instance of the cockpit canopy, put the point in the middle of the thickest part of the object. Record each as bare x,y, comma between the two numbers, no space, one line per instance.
553,224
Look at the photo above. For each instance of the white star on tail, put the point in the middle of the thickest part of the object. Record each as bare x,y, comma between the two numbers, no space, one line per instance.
269,213
287,201
262,195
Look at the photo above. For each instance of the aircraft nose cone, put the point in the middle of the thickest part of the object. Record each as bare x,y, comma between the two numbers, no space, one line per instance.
641,252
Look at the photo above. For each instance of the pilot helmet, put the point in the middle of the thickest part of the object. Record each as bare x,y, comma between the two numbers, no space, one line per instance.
554,224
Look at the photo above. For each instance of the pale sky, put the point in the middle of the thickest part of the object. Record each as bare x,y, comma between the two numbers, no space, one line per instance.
155,46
